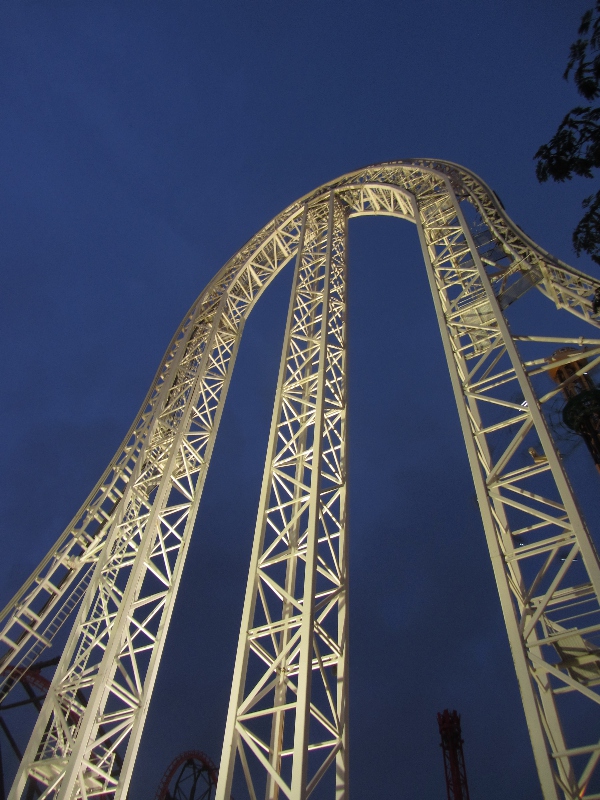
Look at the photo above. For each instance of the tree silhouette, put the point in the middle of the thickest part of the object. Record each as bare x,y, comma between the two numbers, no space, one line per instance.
575,147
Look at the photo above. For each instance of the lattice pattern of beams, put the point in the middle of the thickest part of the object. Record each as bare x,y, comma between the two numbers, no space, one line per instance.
531,265
126,547
545,564
34,616
287,719
109,666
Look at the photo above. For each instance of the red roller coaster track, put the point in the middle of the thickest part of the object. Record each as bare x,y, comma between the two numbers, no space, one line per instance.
178,761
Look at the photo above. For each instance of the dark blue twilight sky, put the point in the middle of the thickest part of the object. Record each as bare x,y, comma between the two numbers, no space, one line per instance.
141,144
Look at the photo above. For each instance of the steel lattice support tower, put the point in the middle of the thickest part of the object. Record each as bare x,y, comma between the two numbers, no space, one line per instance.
454,759
118,565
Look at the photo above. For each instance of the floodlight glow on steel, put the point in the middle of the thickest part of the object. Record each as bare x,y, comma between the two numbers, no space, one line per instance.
119,562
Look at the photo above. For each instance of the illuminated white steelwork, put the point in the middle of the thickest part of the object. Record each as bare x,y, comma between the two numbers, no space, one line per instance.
124,552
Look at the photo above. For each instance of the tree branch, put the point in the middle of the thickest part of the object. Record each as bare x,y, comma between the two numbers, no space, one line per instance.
586,236
574,149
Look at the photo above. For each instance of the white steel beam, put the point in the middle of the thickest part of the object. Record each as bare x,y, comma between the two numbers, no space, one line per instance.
287,715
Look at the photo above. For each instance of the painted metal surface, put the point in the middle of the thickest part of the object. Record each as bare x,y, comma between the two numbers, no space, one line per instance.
121,559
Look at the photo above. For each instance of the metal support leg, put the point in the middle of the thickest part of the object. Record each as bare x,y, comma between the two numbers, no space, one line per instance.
287,714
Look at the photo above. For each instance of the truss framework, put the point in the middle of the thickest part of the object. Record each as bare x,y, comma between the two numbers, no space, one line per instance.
287,719
125,550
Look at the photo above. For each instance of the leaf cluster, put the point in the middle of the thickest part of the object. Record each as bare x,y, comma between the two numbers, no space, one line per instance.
584,55
575,147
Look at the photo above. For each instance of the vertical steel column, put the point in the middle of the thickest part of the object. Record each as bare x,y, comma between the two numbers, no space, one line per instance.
534,529
342,776
538,678
580,544
466,412
287,713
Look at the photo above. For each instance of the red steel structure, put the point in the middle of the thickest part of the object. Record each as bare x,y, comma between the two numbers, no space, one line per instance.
454,760
190,776
34,687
